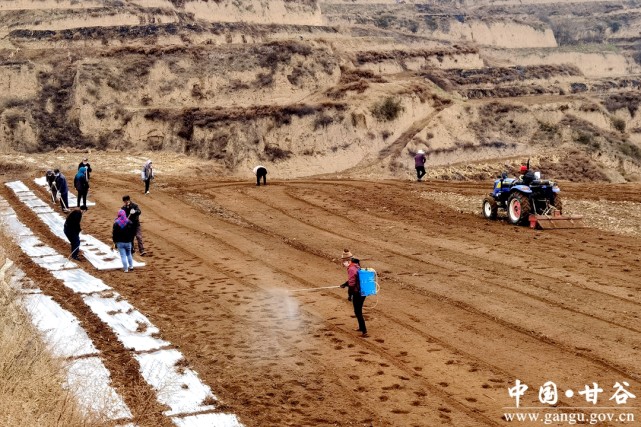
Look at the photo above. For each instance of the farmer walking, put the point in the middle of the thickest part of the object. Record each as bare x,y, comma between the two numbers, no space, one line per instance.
261,172
85,164
123,235
50,177
60,183
147,175
133,213
72,230
354,289
419,163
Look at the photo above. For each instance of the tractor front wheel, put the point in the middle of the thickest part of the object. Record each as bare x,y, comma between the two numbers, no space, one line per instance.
490,208
518,208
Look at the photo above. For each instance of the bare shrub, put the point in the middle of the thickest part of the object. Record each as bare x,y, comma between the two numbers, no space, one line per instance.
280,52
196,92
619,124
354,75
13,103
630,150
497,117
387,110
236,84
587,139
323,121
275,153
264,79
295,76
628,100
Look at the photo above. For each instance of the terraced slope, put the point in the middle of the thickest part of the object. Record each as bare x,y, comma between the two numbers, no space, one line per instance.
317,87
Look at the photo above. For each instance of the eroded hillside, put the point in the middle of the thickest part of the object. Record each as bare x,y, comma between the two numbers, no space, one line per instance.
312,87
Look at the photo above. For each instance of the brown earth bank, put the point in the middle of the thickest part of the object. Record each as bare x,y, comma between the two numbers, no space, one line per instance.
465,308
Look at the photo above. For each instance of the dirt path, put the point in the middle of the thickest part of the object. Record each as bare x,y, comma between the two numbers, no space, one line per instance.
466,306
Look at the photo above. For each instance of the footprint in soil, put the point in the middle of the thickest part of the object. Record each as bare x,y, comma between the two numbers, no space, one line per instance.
393,387
443,384
383,398
380,372
379,340
418,368
470,399
444,409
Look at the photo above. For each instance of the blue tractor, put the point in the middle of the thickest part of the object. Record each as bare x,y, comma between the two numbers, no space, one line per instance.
528,200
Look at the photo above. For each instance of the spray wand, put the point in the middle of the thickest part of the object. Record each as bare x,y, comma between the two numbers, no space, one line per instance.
314,289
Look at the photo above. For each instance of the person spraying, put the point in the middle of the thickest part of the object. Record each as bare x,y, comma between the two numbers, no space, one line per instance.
353,287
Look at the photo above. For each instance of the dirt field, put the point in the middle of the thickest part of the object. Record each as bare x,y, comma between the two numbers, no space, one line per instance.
466,306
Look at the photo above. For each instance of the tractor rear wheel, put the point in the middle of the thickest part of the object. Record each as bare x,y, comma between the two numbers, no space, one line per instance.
558,204
490,208
518,208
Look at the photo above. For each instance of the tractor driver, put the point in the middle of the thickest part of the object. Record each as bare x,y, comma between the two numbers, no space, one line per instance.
527,175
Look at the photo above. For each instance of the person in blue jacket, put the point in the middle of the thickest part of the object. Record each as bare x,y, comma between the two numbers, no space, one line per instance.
81,183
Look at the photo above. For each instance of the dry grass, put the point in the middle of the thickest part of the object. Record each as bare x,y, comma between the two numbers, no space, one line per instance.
31,380
11,167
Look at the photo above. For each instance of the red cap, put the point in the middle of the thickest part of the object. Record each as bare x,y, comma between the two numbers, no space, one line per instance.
523,168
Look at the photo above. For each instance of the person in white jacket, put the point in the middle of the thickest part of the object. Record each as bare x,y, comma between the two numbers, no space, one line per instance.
147,174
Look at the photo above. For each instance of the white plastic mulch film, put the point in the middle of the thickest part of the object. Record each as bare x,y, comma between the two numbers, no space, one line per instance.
176,386
99,254
86,375
73,200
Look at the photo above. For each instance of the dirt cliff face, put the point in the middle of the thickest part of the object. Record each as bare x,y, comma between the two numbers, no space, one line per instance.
326,87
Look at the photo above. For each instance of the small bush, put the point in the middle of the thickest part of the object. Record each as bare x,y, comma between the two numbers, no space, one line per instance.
630,150
264,79
619,124
384,21
275,153
548,127
588,140
387,110
323,121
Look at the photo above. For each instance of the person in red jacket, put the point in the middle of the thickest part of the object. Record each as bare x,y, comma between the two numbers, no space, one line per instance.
354,289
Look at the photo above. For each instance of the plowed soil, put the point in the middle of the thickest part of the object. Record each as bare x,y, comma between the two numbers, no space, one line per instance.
466,306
